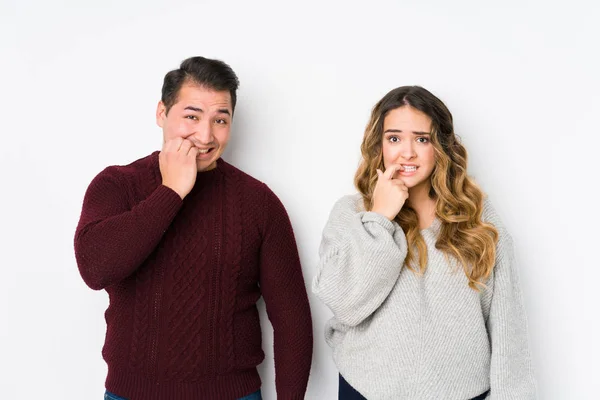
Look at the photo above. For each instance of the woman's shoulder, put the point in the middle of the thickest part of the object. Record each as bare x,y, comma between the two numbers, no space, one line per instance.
350,203
492,216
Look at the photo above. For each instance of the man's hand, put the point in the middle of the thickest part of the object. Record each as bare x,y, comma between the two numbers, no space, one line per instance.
178,166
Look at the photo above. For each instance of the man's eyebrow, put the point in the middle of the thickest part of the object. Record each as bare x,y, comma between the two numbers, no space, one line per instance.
400,131
219,111
192,108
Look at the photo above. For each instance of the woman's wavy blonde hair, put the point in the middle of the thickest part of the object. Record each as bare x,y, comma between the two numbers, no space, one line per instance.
459,201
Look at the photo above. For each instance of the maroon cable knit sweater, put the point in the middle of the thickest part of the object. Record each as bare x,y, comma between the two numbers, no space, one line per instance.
183,278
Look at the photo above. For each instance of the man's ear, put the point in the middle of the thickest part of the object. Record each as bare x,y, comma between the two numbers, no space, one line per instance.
161,113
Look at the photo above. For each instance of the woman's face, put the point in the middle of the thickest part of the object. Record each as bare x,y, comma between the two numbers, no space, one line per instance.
407,141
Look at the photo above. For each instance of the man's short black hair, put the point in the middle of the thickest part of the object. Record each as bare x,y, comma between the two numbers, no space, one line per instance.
211,74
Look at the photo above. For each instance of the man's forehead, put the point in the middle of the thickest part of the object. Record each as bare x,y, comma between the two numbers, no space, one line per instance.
199,96
198,89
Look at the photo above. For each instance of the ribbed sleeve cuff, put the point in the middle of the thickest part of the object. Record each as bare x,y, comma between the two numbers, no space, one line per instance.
166,199
371,216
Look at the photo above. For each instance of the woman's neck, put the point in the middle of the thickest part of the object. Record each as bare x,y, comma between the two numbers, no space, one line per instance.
424,206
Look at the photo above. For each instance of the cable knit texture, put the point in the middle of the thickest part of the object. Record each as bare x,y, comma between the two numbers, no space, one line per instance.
397,335
183,278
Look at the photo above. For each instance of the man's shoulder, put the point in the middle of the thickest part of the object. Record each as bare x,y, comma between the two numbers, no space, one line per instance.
245,181
133,170
255,192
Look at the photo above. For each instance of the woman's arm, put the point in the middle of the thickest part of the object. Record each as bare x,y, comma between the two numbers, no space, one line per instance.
361,256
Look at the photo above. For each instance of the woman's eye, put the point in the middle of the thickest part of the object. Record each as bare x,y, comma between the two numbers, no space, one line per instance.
394,139
423,140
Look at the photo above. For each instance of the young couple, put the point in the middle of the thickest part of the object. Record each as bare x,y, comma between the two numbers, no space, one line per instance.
416,267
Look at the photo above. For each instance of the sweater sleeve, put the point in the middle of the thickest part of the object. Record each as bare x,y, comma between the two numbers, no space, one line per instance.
284,292
113,239
511,372
360,259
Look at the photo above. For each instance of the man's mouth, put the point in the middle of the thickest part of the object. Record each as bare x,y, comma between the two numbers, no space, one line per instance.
205,151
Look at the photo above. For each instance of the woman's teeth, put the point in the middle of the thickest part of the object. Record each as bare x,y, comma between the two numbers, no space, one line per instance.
410,168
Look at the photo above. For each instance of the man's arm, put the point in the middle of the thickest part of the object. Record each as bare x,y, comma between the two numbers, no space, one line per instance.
284,291
112,240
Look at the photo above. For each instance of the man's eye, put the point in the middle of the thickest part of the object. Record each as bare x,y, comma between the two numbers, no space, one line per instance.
221,121
192,117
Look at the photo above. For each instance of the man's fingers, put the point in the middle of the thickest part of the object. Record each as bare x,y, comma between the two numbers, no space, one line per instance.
185,146
193,151
173,144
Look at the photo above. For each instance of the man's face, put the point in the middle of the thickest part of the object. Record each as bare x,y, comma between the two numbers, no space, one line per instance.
202,116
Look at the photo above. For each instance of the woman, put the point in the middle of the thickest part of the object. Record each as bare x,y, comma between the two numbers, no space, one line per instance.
418,269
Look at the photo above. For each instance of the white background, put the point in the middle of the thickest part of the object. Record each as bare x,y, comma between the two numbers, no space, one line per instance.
80,81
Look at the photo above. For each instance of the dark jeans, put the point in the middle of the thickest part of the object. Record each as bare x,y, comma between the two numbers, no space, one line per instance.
254,396
347,392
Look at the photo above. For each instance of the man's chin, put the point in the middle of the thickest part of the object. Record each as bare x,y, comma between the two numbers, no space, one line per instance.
204,166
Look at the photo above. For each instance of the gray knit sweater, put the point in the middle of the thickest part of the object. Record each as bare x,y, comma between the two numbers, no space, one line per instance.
396,335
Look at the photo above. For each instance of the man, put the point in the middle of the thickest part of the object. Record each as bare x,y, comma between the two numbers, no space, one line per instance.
185,244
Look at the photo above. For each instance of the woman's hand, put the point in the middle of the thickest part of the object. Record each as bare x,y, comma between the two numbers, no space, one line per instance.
390,194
